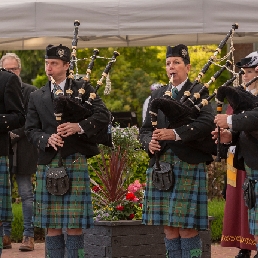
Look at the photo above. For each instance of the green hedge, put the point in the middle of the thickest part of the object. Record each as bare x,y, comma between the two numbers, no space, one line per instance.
17,223
216,210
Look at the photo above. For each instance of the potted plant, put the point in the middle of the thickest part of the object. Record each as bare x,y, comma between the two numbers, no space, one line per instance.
117,203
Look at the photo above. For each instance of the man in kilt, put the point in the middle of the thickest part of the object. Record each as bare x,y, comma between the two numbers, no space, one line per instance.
182,210
12,116
73,210
240,130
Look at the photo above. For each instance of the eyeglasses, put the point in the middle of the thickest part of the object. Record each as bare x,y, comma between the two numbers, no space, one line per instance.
12,69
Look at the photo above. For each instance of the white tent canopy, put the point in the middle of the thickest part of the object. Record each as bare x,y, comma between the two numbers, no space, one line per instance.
33,24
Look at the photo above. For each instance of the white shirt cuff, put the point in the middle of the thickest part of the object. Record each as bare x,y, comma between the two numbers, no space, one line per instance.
229,121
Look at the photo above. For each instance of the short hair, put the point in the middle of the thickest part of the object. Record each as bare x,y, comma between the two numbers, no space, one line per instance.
10,55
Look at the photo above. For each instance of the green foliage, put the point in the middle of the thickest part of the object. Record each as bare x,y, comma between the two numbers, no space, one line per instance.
131,75
17,223
216,210
114,168
199,57
136,158
40,81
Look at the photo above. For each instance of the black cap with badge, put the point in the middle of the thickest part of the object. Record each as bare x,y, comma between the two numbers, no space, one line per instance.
180,50
250,61
58,52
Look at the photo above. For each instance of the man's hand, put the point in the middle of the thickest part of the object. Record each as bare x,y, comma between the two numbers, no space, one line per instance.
164,134
225,136
160,135
55,141
221,120
67,129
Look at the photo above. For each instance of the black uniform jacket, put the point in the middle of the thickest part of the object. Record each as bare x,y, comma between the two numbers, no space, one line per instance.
41,123
192,147
245,127
12,113
24,160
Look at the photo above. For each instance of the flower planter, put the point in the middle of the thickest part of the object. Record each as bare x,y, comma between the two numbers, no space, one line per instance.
124,238
129,238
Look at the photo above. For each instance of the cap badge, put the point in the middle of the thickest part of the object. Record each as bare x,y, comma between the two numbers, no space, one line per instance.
184,52
60,52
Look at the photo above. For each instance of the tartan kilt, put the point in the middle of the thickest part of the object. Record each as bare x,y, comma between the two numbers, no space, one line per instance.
5,190
71,210
253,213
184,206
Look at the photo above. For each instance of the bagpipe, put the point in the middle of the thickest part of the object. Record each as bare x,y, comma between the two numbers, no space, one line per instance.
240,100
188,109
211,60
238,97
70,108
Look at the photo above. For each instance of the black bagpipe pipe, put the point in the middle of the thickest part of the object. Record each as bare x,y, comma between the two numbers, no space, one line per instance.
212,58
73,61
179,114
70,108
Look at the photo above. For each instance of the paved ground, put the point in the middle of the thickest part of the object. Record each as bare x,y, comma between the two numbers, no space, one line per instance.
216,252
39,251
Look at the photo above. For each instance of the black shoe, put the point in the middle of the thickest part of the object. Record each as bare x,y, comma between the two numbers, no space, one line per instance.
244,253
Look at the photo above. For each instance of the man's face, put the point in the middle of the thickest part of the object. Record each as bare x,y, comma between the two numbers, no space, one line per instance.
12,65
177,67
56,68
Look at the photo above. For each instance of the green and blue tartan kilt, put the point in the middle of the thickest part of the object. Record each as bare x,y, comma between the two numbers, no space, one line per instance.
5,190
253,213
184,206
71,210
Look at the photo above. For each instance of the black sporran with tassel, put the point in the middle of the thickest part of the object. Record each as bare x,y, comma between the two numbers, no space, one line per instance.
163,177
57,181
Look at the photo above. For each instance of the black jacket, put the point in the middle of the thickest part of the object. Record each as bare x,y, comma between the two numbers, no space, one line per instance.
24,160
245,126
41,123
12,113
191,148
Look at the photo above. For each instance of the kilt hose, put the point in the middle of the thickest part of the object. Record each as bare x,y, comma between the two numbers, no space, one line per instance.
184,206
5,190
71,210
253,213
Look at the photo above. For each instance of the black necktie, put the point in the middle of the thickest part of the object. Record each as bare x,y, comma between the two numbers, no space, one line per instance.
55,89
174,92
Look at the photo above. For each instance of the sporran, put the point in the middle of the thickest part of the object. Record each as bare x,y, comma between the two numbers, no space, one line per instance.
57,181
163,178
249,193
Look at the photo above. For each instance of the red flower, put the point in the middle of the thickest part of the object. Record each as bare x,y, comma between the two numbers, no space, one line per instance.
120,207
140,204
96,188
130,196
131,216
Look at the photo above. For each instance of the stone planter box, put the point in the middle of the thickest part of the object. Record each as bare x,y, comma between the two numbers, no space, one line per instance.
125,238
129,238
